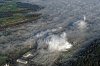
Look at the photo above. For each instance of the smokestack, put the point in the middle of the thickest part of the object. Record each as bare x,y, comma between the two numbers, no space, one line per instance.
84,18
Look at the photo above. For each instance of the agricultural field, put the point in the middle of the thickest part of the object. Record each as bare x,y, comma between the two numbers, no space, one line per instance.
12,12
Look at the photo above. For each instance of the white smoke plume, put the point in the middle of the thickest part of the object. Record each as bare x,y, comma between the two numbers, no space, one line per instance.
81,24
58,43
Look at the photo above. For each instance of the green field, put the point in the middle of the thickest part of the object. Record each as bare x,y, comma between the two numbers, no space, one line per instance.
11,14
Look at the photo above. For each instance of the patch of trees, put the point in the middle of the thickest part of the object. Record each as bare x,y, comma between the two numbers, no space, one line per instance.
29,6
5,14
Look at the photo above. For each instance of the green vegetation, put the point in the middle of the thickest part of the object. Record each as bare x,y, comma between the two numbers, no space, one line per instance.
8,6
16,19
3,59
12,13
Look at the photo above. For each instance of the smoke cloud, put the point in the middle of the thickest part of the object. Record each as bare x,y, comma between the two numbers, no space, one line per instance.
58,42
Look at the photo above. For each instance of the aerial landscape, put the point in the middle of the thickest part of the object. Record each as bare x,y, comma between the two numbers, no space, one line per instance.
49,32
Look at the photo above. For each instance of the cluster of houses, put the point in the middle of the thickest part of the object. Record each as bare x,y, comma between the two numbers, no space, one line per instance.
24,58
6,65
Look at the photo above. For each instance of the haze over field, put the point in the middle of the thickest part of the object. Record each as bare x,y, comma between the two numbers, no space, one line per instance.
64,25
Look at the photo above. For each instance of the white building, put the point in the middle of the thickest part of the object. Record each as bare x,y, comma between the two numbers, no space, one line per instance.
6,65
21,61
27,55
